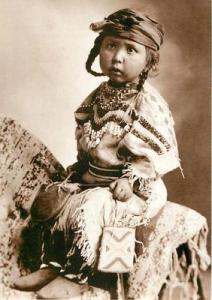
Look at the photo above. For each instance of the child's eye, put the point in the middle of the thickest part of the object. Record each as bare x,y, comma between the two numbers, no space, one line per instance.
131,50
111,45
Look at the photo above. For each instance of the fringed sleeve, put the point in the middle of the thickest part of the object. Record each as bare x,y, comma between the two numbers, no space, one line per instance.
151,139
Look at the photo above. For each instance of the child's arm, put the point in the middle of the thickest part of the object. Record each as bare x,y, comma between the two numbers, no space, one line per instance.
122,191
36,280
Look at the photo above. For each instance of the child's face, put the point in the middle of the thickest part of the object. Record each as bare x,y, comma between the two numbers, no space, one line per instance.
122,60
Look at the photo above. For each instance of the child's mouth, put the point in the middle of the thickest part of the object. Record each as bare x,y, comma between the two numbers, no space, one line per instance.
115,71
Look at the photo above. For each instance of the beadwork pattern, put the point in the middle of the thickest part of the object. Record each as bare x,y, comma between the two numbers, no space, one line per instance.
94,136
118,115
109,98
155,132
152,129
147,140
117,105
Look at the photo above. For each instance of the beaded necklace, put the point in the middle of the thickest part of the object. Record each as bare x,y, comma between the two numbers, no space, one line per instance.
109,105
110,98
93,137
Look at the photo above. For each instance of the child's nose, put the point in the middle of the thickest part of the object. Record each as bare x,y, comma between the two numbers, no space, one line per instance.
118,56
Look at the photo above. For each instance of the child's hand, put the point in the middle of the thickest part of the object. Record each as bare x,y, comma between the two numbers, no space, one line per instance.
121,189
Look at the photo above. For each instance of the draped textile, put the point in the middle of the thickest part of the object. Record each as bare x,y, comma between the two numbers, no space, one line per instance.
26,164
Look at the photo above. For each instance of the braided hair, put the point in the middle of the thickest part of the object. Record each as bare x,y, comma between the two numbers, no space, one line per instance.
152,61
93,54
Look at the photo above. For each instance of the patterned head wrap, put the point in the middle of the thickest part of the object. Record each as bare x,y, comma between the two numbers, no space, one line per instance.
132,25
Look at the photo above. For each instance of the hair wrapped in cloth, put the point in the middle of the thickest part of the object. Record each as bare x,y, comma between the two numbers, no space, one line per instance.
132,25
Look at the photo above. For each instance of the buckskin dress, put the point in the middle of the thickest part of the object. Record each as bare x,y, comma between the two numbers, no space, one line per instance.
120,133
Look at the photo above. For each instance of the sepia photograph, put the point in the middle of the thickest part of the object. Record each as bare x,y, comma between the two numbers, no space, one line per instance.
105,149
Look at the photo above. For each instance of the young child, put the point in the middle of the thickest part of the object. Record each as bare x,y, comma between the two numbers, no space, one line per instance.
126,143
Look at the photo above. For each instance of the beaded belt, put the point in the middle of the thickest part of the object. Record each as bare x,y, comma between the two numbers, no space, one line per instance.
104,172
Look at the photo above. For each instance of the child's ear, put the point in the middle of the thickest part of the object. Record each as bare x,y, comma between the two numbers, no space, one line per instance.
154,71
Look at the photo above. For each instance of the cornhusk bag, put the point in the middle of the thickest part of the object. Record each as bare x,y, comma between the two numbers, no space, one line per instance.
117,250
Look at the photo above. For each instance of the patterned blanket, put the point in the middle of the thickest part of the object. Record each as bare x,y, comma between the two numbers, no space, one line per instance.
175,245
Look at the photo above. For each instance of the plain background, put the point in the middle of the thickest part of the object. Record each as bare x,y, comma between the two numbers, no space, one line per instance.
44,46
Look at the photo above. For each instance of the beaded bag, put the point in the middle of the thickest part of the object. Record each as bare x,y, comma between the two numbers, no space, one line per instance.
117,250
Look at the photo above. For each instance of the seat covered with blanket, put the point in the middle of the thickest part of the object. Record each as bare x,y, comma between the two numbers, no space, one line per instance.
173,249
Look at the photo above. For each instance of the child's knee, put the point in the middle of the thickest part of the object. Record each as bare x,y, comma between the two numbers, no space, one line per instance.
97,201
98,197
102,194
